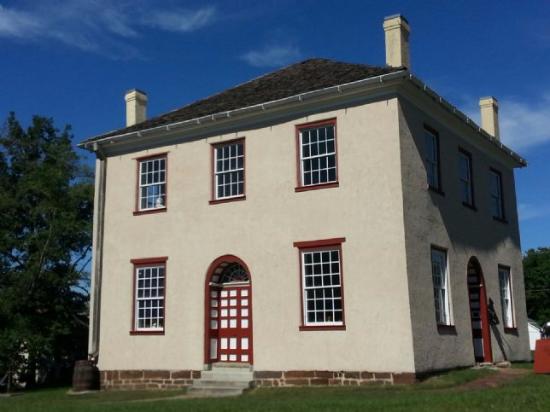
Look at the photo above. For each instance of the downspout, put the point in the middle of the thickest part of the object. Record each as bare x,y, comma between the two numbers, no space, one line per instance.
97,251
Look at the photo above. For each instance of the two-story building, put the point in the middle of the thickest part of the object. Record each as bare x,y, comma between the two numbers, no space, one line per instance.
327,223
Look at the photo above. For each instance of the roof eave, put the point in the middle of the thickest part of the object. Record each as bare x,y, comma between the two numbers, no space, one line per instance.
91,142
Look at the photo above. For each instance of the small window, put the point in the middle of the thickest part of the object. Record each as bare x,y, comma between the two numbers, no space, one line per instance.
152,184
322,286
229,172
317,145
431,156
440,276
465,178
149,292
506,296
495,189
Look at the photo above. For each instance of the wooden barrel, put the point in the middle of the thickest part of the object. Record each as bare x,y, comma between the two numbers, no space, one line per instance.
85,376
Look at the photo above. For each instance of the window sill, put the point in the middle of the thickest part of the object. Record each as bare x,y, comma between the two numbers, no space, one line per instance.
321,327
446,329
469,206
316,187
146,332
500,219
149,211
436,190
511,331
227,200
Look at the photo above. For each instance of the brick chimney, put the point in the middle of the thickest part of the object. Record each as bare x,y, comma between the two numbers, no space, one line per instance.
489,116
136,107
396,29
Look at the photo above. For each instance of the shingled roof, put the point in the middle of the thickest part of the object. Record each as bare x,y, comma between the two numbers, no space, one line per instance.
305,76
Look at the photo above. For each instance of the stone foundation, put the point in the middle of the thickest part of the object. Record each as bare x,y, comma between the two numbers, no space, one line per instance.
147,379
329,378
178,379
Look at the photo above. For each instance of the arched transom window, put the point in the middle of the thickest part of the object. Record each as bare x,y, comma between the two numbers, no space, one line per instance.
230,273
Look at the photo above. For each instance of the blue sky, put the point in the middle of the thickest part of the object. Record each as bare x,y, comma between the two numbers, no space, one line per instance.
74,59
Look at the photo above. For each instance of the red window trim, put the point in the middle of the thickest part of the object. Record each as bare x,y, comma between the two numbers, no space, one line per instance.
144,262
213,200
323,244
299,186
137,211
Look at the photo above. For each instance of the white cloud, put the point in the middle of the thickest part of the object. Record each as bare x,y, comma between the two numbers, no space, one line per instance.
181,20
100,26
15,23
529,211
523,125
272,56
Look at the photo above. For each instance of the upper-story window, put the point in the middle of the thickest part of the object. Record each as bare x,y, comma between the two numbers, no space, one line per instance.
465,178
440,277
431,157
495,190
152,183
506,296
229,172
317,151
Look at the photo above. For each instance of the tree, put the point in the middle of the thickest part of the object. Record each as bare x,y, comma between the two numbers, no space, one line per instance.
536,268
46,206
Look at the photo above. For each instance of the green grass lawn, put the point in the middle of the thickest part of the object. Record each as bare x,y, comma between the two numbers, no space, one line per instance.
438,393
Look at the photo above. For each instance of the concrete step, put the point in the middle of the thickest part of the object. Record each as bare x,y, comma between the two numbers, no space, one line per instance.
227,376
213,392
203,383
222,381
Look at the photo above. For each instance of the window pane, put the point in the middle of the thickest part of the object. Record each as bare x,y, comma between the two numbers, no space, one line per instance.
441,293
431,156
229,170
150,297
318,157
322,290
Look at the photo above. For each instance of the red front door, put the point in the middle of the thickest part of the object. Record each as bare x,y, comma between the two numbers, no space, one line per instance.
230,326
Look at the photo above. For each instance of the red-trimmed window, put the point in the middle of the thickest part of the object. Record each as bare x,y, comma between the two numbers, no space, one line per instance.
149,295
506,297
322,284
229,171
432,158
317,155
440,277
496,194
465,175
152,177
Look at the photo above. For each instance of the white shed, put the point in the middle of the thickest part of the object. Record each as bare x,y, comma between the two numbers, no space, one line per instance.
534,333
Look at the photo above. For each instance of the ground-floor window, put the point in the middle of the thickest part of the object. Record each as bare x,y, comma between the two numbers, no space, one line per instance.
322,283
440,277
506,296
149,293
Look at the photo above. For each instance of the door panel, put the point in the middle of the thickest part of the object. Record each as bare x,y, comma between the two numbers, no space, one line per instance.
230,325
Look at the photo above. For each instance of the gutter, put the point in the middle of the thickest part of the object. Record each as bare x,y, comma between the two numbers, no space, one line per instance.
257,108
304,97
98,228
458,113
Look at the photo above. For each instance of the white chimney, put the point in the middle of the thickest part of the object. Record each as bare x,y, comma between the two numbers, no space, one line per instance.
489,116
397,31
136,107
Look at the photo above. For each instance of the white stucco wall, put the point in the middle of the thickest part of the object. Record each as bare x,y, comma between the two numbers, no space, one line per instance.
442,220
366,209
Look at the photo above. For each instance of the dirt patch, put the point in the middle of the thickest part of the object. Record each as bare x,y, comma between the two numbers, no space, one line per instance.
501,377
